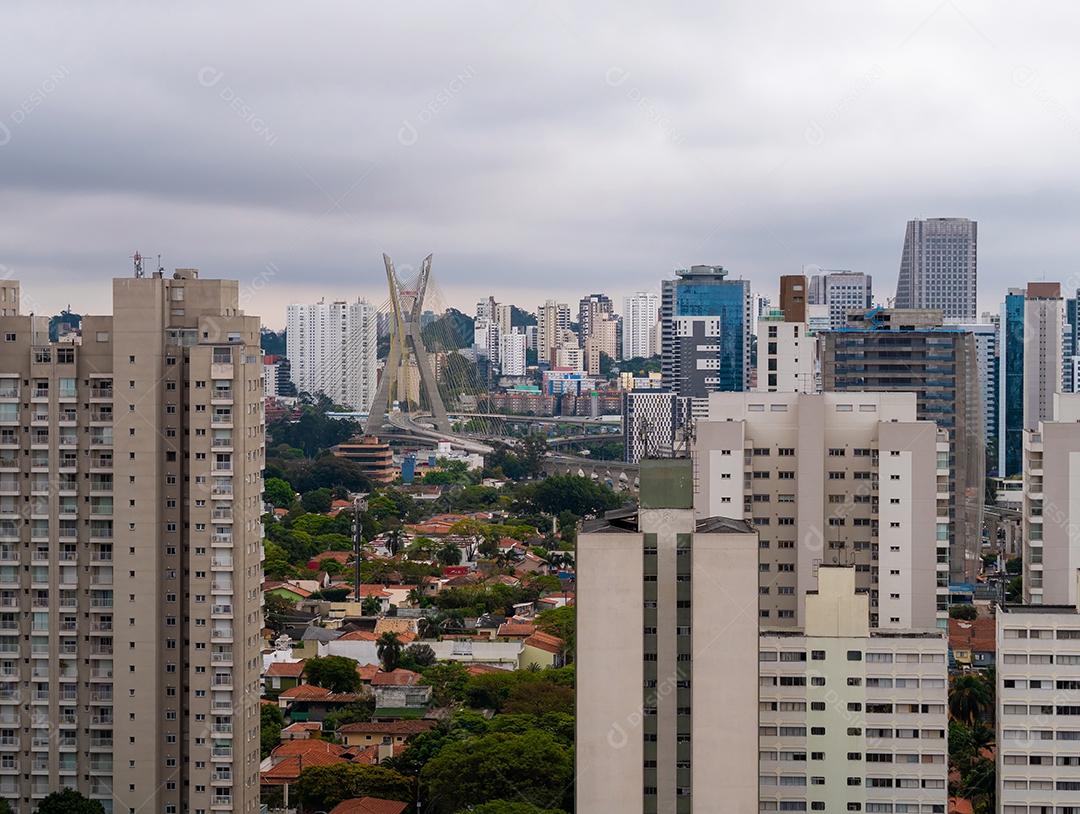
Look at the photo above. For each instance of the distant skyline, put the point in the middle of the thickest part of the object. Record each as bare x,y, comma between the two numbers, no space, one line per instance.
538,150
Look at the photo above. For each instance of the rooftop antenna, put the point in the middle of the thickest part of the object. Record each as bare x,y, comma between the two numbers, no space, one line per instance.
138,266
160,268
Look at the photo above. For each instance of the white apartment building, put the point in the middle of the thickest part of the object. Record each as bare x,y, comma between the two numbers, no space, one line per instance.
851,719
841,291
1038,709
787,356
641,314
512,354
832,479
486,338
1051,506
332,348
130,552
603,340
667,637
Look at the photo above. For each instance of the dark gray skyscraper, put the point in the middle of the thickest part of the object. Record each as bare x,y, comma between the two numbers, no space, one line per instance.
938,267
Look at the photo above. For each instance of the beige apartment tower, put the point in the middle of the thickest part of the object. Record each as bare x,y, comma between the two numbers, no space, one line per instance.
1051,505
130,552
666,656
832,479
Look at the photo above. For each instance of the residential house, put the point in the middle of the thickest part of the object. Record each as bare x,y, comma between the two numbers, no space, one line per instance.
370,805
282,675
973,644
308,703
368,733
400,693
542,650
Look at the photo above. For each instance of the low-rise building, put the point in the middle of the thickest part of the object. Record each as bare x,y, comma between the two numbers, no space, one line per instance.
374,457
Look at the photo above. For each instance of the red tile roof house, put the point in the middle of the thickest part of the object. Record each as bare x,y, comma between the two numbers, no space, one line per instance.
369,733
282,675
308,703
370,805
301,731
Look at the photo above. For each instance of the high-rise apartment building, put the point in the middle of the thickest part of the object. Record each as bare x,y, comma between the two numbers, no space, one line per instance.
1031,363
130,552
707,322
986,361
552,327
512,354
851,719
603,340
1044,314
589,309
640,314
891,350
333,348
486,339
832,479
665,597
841,291
1038,700
938,268
1051,506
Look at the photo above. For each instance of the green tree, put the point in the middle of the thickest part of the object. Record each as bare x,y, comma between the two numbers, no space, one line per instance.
966,612
323,787
69,801
271,721
388,649
561,622
572,493
335,673
448,554
1014,566
279,493
278,610
5,807
536,698
317,501
357,711
970,696
1014,591
508,807
447,680
418,656
532,768
371,606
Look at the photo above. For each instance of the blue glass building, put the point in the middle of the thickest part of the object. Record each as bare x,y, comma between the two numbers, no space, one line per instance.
1011,388
707,324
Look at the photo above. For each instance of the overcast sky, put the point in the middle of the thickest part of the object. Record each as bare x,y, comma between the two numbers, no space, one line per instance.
537,149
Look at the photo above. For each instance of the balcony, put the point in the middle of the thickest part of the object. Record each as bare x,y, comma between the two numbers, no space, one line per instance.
221,612
220,490
101,391
221,634
101,742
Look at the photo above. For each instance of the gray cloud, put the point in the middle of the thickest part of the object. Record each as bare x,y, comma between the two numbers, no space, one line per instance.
537,149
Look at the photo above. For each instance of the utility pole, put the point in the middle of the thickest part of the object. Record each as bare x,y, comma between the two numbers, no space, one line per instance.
359,505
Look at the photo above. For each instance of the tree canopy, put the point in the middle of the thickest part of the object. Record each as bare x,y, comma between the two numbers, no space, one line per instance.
323,787
335,673
69,801
531,767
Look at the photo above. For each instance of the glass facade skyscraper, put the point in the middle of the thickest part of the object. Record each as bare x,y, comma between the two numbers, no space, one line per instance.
706,329
1011,389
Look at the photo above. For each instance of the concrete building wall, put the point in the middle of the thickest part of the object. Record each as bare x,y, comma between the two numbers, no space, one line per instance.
1038,696
609,745
787,357
814,474
1051,506
850,717
123,422
725,638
